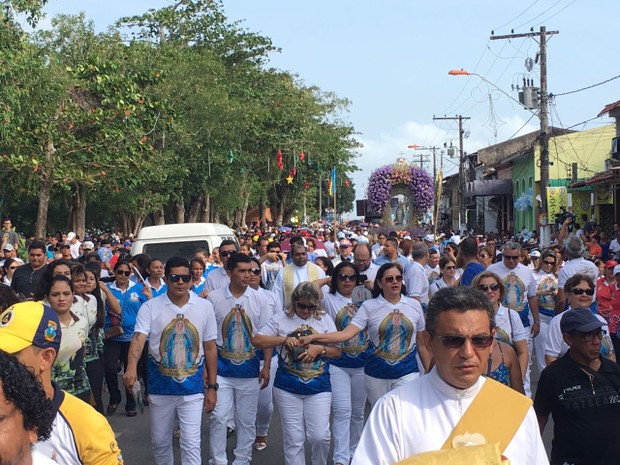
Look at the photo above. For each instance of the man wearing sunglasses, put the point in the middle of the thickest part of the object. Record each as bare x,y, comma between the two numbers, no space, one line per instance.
580,390
240,312
447,406
218,278
576,264
182,363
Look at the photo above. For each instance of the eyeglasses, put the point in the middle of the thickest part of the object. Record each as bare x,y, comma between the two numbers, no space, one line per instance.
347,277
548,263
175,278
227,253
255,271
392,279
511,257
456,342
583,291
310,307
589,337
345,246
123,273
484,288
450,267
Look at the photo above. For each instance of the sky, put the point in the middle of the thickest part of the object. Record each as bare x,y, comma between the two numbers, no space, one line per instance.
391,60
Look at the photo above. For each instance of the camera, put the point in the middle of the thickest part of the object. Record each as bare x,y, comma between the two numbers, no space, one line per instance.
561,217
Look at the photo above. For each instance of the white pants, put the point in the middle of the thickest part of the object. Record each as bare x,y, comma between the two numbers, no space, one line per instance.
540,340
164,411
265,401
348,403
376,387
304,417
243,394
530,348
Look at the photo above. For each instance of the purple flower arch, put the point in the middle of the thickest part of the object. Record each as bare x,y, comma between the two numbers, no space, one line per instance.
419,182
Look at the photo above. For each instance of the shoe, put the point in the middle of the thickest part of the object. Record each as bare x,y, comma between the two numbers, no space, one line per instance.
230,431
132,412
177,433
259,445
111,410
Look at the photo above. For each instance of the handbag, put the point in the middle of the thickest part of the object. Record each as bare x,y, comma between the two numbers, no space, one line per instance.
115,328
295,352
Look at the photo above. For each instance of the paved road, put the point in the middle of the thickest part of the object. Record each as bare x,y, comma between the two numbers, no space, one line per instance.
133,435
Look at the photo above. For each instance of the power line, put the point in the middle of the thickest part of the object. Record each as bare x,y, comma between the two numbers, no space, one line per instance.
518,16
586,88
555,14
538,15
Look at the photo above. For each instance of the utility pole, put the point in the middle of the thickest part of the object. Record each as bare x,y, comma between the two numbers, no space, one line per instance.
462,174
543,115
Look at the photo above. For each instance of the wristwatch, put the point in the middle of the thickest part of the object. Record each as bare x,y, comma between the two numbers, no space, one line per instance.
324,351
215,386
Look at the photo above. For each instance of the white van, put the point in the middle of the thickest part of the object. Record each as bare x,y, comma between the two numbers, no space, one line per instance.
180,240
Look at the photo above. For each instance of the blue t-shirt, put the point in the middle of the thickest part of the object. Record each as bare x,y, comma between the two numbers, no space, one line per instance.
131,300
470,272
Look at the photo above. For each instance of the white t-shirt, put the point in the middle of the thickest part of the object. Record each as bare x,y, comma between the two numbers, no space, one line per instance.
576,266
175,347
269,271
517,281
419,416
544,281
238,320
508,326
371,271
416,282
392,331
217,279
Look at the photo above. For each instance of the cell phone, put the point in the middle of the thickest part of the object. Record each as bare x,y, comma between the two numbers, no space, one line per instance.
362,279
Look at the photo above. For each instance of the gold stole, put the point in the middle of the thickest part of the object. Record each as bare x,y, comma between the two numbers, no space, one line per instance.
483,432
288,280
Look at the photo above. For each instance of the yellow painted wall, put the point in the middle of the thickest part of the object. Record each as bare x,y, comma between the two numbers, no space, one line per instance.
589,149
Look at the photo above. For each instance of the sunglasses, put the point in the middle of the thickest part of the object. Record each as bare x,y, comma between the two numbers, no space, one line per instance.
310,307
255,271
347,277
227,253
583,291
175,278
394,279
456,342
450,267
484,288
511,257
12,267
123,273
548,263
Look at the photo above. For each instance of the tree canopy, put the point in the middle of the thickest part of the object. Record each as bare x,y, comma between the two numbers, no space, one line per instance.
170,116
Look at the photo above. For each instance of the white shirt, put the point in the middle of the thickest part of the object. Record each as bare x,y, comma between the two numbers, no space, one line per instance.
300,275
419,416
217,279
268,272
517,281
508,326
39,459
75,250
575,266
371,271
416,282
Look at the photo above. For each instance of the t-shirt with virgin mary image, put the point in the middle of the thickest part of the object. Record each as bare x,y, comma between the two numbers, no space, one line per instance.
392,330
238,320
176,343
517,281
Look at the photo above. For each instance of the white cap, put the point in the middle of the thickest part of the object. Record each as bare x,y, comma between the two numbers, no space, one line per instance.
340,235
71,236
429,238
616,269
455,238
535,253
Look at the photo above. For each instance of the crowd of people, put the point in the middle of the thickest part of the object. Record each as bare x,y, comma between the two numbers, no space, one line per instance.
322,321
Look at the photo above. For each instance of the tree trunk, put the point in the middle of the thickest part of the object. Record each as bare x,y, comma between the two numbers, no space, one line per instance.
138,221
45,191
194,208
159,217
124,223
179,212
205,209
80,210
244,211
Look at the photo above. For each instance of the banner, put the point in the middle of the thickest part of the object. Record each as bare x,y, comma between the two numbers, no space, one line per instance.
582,206
332,183
557,197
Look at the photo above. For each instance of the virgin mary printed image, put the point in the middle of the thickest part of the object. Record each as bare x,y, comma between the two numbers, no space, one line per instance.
515,292
358,343
395,333
178,348
237,336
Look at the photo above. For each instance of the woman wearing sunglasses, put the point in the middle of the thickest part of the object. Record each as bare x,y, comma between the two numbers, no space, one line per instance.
302,387
447,278
394,324
346,372
579,290
545,286
118,334
8,268
508,326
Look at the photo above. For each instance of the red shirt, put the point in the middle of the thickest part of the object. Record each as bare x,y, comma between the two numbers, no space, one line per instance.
604,296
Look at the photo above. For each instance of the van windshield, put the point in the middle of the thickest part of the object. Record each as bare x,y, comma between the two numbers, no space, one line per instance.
166,250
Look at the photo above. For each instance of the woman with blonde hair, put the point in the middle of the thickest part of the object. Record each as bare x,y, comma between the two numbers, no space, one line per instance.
302,386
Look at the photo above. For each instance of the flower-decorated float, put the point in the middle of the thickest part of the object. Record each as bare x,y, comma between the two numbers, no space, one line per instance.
402,194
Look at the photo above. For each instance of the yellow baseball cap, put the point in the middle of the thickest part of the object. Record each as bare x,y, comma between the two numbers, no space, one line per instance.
29,324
